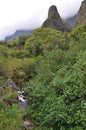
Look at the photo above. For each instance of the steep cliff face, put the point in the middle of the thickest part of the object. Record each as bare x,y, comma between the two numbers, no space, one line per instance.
81,16
54,20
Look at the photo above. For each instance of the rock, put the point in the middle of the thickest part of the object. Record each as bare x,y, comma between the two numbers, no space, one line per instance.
81,16
28,125
1,92
55,21
10,84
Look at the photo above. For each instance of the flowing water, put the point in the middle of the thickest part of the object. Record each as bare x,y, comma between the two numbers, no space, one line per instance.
22,100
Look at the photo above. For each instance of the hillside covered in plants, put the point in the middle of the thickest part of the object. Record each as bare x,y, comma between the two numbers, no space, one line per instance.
51,66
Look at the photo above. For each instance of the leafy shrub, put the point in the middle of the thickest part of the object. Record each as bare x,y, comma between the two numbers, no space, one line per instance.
10,118
57,93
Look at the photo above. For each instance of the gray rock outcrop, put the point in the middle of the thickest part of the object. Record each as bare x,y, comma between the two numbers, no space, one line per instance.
10,84
55,21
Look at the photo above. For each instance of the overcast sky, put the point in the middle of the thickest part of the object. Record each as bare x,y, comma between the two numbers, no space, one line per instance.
30,14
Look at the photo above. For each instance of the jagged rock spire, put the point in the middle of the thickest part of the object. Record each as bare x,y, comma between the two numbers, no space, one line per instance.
53,13
54,20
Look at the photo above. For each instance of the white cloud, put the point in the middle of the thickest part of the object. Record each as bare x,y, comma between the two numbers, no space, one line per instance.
28,14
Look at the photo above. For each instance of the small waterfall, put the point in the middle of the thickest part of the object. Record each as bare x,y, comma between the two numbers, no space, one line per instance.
22,100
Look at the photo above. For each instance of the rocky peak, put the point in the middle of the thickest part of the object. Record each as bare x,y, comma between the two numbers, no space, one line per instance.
53,13
81,16
54,20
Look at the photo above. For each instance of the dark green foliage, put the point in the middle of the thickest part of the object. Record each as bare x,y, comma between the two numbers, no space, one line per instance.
18,57
43,40
54,66
57,93
10,118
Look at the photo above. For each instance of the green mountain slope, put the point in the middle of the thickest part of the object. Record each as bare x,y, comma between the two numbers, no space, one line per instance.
52,66
56,93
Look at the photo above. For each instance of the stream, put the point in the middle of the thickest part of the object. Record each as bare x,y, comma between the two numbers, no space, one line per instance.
22,101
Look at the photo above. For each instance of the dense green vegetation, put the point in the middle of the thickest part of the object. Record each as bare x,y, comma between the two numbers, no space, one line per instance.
10,115
56,93
10,118
52,66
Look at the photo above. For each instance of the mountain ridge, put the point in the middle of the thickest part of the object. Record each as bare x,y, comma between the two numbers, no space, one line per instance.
17,34
56,22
